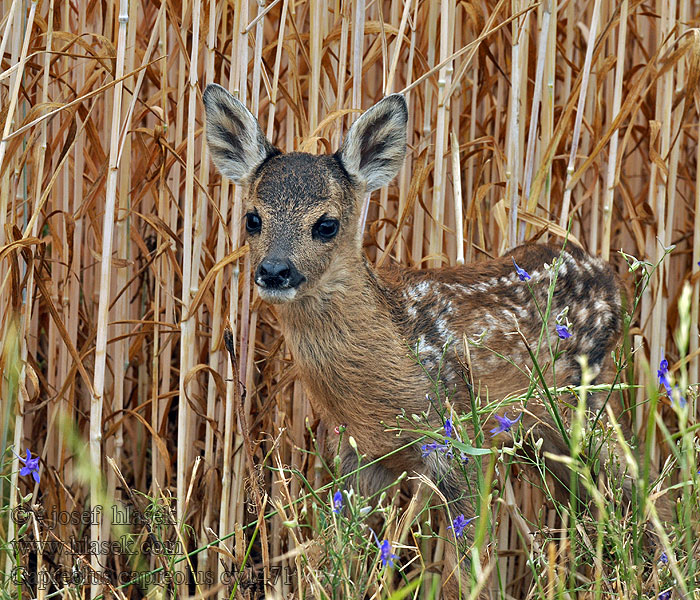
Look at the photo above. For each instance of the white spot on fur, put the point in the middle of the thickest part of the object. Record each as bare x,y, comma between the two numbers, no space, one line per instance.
418,292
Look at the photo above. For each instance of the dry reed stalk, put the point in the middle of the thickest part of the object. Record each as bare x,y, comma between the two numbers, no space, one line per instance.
513,144
227,517
115,443
548,102
609,191
159,369
39,162
695,265
238,496
457,191
190,275
316,39
542,49
276,71
97,401
593,31
426,134
406,169
438,203
215,356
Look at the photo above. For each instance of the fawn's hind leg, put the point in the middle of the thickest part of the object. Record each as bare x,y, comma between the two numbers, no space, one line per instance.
370,478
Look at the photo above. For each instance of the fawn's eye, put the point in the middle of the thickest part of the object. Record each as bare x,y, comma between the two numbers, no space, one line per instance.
253,223
325,229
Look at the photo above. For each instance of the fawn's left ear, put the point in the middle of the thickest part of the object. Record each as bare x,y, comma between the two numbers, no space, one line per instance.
237,144
375,146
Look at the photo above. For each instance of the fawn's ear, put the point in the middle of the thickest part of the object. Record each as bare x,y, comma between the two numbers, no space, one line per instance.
237,144
375,146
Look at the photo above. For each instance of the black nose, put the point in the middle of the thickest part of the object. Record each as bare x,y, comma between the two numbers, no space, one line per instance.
276,273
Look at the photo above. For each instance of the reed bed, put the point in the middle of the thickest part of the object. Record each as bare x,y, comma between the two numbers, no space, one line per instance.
122,262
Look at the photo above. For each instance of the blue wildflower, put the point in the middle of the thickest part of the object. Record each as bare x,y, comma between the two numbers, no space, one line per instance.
563,332
665,595
459,524
663,558
663,365
662,374
31,465
337,502
523,275
504,424
385,553
449,428
427,449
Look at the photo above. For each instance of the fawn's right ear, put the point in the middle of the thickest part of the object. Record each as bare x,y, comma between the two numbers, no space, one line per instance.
237,144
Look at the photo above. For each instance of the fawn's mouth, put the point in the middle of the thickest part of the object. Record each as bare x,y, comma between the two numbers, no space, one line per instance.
277,295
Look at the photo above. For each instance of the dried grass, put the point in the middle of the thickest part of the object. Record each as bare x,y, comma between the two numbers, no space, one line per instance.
117,240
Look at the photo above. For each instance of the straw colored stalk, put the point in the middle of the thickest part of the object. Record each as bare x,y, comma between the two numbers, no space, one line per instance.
443,114
695,265
232,465
426,131
592,33
97,401
215,356
39,163
658,191
14,96
161,267
115,443
8,327
542,49
272,106
406,169
610,182
247,360
190,274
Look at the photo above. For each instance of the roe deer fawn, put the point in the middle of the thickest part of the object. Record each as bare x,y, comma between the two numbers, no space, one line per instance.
350,326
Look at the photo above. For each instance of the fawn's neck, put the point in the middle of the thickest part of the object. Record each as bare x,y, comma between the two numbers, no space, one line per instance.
349,351
332,323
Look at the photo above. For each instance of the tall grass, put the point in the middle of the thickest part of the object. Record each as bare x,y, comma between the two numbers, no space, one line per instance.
122,263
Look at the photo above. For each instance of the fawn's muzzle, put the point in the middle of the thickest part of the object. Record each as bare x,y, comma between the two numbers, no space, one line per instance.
277,274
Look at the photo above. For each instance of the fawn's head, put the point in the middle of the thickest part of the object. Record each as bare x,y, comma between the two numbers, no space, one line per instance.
302,211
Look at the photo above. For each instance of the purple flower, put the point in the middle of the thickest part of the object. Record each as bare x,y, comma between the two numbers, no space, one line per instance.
427,449
459,525
385,553
665,595
31,465
522,273
663,558
504,424
337,502
663,365
563,332
449,428
662,374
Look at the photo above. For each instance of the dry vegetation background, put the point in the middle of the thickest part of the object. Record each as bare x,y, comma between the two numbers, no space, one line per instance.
121,251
